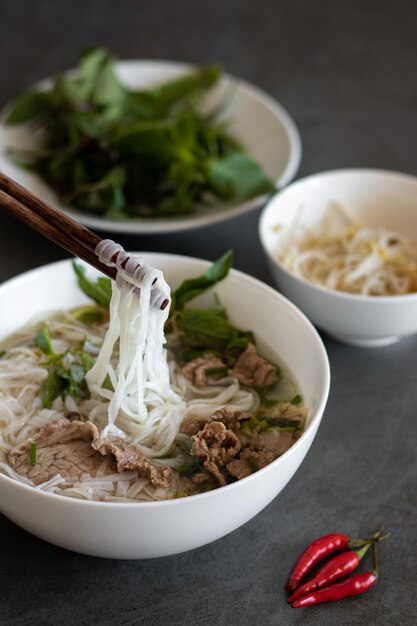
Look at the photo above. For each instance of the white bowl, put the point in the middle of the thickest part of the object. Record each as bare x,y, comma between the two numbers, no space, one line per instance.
256,120
151,529
371,197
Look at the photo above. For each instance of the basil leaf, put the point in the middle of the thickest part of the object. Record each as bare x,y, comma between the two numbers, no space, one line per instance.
97,75
238,177
205,328
28,106
100,291
193,287
192,84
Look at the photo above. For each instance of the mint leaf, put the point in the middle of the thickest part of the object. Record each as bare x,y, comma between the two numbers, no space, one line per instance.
193,287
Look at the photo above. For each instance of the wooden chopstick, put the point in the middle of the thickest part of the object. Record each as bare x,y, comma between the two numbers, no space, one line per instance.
53,224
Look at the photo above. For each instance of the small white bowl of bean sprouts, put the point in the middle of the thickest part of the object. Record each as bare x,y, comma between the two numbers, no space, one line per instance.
342,245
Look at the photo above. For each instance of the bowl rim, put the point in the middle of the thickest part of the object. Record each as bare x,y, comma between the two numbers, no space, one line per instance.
268,209
313,423
151,226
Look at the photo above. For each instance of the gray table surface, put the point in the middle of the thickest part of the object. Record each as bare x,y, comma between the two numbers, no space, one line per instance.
346,72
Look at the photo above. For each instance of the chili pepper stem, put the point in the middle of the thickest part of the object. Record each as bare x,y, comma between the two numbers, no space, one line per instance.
361,553
376,560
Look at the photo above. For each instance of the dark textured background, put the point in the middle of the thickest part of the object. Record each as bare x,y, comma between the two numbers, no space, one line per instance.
346,72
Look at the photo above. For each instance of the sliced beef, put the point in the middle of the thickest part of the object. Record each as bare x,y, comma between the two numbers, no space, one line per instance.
129,456
274,440
62,447
230,418
195,370
226,415
74,448
191,427
216,446
249,462
252,370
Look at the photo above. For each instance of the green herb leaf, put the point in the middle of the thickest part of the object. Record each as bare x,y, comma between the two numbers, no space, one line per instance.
297,399
2,353
236,176
87,361
188,86
193,287
188,469
89,314
43,342
252,462
269,402
205,328
98,74
284,423
100,290
77,387
51,388
28,106
107,384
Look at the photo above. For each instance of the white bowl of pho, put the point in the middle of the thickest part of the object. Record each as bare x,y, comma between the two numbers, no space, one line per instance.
114,445
342,245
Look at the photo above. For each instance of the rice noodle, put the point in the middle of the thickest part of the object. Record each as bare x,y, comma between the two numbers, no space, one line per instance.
143,402
343,255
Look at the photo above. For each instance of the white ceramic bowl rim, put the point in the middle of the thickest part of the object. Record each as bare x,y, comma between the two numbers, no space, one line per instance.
66,501
371,300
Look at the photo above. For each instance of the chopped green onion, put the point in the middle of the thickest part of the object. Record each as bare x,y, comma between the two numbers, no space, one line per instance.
263,425
297,399
2,353
180,494
189,468
284,424
269,402
107,384
32,454
43,342
207,486
213,371
246,428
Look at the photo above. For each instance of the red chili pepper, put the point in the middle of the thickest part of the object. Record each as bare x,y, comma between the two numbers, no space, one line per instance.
317,551
353,586
338,567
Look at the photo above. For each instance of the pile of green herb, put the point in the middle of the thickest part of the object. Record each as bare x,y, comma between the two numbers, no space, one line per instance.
63,378
120,153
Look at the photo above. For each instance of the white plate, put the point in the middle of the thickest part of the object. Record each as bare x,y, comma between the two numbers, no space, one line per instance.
256,120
